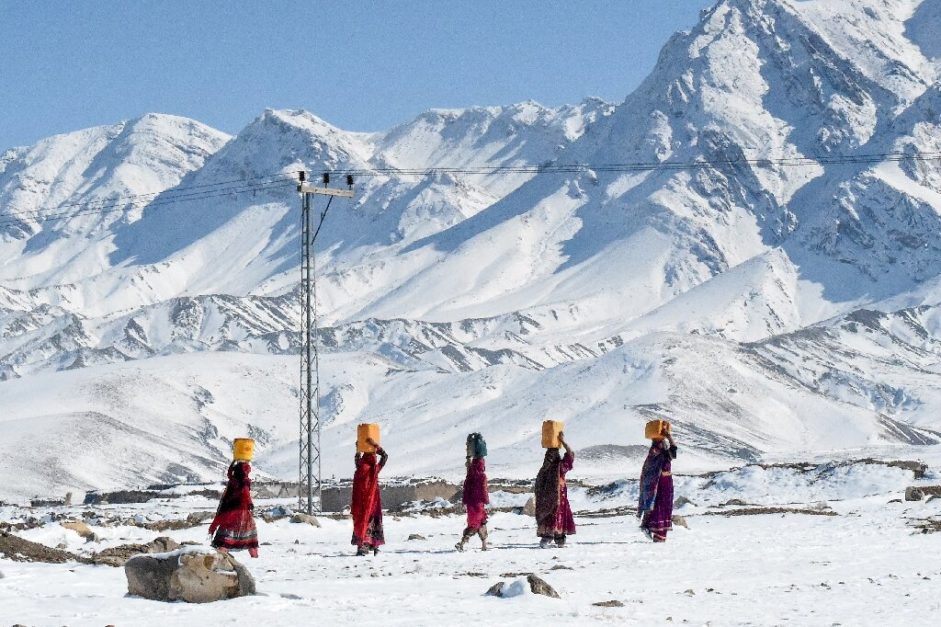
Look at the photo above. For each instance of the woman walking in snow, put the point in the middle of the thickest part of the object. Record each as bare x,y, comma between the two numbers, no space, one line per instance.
475,497
655,505
366,506
233,527
554,518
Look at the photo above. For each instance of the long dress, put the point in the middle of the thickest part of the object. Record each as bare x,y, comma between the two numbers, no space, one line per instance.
554,517
233,527
476,497
366,505
655,503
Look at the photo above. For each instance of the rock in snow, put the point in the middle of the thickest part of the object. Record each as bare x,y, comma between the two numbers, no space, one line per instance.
531,584
299,517
187,575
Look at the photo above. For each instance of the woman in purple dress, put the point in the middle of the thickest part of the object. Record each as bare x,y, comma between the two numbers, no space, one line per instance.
554,518
655,505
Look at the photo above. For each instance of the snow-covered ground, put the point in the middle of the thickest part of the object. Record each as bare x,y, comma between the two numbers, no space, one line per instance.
866,565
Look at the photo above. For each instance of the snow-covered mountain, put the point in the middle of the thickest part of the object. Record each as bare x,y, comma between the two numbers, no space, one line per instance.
753,252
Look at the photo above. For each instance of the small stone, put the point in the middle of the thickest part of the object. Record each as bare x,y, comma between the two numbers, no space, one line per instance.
496,590
416,536
530,508
276,513
682,501
539,586
82,529
305,518
611,603
690,592
894,501
197,518
914,494
680,521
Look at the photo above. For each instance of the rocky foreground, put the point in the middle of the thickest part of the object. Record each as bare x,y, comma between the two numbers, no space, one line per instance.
759,545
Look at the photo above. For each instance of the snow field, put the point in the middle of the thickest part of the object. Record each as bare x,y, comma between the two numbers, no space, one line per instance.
863,567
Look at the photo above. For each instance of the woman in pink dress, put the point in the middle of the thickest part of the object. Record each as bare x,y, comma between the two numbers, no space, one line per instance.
476,496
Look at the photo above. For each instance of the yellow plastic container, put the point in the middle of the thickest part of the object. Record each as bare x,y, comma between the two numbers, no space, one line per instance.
550,433
363,433
656,428
243,449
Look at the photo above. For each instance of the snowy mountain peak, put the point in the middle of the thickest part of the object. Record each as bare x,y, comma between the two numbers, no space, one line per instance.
755,246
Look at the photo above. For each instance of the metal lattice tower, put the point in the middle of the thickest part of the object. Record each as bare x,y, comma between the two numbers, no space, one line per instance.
309,486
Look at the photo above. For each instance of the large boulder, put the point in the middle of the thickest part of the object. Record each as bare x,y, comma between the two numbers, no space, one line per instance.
194,576
914,494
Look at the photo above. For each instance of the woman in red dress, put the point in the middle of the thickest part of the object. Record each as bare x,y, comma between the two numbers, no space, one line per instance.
475,496
554,519
366,505
233,528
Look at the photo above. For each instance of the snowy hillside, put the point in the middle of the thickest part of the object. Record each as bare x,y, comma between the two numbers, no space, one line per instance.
753,250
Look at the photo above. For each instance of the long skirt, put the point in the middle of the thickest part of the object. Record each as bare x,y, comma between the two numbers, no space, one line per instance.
659,520
374,536
236,531
476,516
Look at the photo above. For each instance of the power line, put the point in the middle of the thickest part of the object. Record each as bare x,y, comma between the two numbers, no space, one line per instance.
95,208
169,194
575,168
237,186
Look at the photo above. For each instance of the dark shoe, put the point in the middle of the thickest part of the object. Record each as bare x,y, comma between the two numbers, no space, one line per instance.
560,542
361,551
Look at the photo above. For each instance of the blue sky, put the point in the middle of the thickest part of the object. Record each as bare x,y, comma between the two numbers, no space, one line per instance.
363,66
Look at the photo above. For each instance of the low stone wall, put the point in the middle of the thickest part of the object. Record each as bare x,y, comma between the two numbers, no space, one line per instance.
336,499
